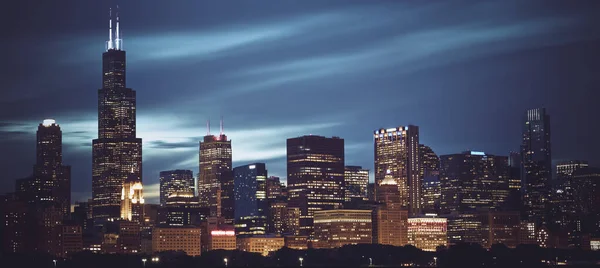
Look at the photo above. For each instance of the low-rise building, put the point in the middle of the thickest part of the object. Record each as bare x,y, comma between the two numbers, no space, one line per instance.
339,227
263,244
427,233
169,238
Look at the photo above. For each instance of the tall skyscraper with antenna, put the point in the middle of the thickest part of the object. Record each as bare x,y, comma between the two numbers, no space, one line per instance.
117,152
215,182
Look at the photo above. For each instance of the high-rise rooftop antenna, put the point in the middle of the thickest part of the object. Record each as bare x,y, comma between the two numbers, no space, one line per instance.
208,127
221,125
109,43
118,40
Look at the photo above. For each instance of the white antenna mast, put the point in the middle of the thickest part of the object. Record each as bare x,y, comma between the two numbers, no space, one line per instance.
109,43
118,40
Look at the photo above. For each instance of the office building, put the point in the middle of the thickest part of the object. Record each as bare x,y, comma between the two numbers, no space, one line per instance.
70,240
132,199
117,151
586,192
390,217
275,189
430,172
567,168
250,191
262,244
397,155
50,185
466,227
356,180
223,239
183,209
183,238
296,242
215,181
390,226
315,168
502,227
427,233
536,164
336,228
283,219
472,180
172,181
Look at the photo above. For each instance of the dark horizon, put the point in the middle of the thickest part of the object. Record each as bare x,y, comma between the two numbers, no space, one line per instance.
464,73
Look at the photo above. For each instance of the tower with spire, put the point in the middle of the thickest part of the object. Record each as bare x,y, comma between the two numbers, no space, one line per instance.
117,152
215,181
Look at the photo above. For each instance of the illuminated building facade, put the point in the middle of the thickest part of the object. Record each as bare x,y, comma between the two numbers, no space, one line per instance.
186,239
397,155
356,181
536,164
222,239
116,151
339,227
390,226
567,168
315,168
427,233
263,244
215,181
183,209
172,181
586,190
275,189
132,199
472,180
430,172
390,217
283,219
250,190
296,242
466,227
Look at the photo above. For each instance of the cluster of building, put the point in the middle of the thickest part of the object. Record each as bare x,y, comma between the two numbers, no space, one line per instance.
417,197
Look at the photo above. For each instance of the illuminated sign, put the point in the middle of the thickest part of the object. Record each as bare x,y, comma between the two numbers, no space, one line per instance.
222,233
477,153
252,167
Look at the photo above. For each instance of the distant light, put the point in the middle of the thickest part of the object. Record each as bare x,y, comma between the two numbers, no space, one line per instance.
477,153
48,122
252,166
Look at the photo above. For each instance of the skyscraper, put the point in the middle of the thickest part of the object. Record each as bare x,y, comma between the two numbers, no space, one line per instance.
536,164
215,182
397,154
356,181
472,180
132,199
430,172
117,151
173,181
250,191
315,168
390,220
51,181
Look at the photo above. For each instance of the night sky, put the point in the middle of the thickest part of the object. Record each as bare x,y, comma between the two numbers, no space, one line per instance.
463,71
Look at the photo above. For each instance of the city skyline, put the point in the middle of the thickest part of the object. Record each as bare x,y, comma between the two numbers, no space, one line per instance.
171,129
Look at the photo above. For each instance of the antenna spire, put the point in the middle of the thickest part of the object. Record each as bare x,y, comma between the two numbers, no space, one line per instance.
208,127
221,125
118,40
109,43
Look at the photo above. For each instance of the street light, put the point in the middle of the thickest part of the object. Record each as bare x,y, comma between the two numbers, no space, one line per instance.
155,259
301,259
435,261
370,262
225,261
144,261
54,261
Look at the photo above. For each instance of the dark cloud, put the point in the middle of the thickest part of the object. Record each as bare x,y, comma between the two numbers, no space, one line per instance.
463,71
